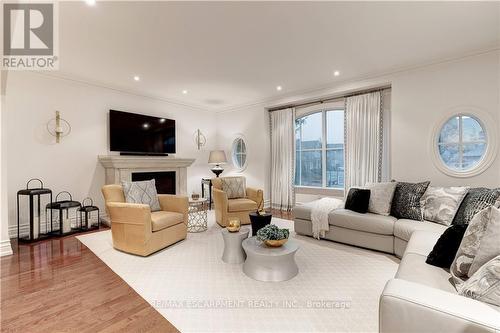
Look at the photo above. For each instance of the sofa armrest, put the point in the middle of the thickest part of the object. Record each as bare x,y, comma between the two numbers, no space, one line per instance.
412,307
175,203
220,199
255,195
129,213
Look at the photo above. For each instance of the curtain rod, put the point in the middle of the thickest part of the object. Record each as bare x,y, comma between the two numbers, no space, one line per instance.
321,101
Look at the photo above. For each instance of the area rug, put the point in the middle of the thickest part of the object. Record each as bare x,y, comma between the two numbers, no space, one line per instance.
337,288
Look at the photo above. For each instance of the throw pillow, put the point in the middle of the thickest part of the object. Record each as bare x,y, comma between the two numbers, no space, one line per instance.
440,204
143,192
406,201
490,242
471,244
235,187
484,285
446,247
476,200
358,200
381,195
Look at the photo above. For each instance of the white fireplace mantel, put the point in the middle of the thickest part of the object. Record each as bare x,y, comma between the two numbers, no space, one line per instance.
120,168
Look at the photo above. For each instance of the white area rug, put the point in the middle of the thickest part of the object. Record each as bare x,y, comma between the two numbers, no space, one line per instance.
337,288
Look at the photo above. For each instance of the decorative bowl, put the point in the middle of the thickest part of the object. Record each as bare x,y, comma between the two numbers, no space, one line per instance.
233,225
275,243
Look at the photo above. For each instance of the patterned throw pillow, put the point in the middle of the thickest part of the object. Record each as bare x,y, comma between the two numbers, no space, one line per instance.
143,192
484,285
381,195
476,200
235,187
406,201
479,244
440,204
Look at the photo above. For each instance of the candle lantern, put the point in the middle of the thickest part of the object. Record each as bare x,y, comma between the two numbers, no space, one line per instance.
66,220
89,215
29,211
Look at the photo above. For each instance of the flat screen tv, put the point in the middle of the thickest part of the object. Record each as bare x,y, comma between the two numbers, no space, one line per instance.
137,134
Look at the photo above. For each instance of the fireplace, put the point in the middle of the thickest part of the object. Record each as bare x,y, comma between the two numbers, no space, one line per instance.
165,180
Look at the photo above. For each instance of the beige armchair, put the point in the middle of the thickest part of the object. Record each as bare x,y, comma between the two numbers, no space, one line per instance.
240,208
135,229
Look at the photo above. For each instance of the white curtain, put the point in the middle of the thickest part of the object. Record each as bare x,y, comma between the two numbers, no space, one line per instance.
363,139
282,159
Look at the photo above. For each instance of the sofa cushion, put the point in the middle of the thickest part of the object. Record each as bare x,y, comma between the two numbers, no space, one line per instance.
403,228
484,285
303,211
162,219
240,205
445,250
381,197
440,204
476,200
373,223
358,200
406,200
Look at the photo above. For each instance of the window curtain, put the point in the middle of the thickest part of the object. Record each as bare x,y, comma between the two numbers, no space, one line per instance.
363,139
282,159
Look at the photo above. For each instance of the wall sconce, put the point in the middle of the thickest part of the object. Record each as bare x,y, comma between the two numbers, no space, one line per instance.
199,139
58,127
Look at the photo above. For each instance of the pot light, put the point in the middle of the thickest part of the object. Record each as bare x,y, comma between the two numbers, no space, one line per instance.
136,78
185,92
336,73
145,125
90,2
279,88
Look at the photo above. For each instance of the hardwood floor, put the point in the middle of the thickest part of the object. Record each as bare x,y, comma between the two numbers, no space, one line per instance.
59,285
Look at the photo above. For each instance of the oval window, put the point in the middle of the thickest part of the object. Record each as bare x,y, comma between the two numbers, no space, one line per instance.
239,154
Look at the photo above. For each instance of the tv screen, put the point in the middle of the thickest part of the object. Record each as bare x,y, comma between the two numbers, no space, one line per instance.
139,134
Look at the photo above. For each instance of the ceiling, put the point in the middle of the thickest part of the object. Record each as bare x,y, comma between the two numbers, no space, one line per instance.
235,53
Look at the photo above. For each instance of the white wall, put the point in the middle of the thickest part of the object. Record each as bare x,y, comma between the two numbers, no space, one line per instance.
5,247
420,99
72,165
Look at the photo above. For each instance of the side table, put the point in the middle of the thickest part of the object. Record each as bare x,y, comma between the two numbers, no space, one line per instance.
207,182
197,215
259,221
233,251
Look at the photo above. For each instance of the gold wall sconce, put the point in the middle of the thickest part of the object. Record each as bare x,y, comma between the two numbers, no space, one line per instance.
58,127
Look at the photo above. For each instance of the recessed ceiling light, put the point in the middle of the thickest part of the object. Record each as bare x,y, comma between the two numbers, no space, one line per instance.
145,125
279,88
90,2
185,92
336,73
136,78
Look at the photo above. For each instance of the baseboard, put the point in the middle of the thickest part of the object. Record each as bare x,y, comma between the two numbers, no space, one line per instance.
5,248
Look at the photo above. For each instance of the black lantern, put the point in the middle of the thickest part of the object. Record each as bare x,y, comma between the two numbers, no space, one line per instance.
33,216
67,217
89,215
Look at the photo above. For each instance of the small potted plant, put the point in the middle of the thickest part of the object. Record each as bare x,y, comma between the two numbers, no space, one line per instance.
273,236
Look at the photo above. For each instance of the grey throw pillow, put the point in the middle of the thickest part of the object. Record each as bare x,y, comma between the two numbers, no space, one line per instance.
406,201
235,187
381,195
440,204
476,200
143,192
479,244
484,285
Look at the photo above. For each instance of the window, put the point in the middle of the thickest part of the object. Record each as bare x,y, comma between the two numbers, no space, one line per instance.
239,154
462,143
319,144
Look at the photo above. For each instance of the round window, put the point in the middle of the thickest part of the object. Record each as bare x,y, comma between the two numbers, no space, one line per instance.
239,153
462,145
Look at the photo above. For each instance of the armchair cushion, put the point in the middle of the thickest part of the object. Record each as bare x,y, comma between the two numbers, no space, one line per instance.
162,219
143,192
241,204
235,187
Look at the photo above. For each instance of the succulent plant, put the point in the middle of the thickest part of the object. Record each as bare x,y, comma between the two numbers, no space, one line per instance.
272,232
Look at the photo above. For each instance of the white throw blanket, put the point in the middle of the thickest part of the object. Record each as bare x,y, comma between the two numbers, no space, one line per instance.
319,215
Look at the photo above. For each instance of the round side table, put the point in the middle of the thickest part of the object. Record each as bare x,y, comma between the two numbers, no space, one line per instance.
233,252
270,264
259,221
197,215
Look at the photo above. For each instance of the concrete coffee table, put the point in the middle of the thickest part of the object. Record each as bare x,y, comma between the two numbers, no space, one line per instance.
233,252
265,263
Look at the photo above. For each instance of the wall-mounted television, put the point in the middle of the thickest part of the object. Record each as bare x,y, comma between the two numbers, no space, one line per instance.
138,134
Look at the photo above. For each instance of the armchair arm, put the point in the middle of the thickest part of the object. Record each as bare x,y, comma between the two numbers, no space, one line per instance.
412,307
256,195
129,213
175,203
220,199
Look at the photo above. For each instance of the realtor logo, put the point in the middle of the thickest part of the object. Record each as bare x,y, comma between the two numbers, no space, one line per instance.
29,36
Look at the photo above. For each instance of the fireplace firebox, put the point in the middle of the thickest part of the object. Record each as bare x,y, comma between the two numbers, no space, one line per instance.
165,180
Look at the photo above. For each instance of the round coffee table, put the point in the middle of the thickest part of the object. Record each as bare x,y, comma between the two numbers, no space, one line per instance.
259,221
233,252
270,263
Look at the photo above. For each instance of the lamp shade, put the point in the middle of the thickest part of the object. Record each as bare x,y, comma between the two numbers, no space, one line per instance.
217,157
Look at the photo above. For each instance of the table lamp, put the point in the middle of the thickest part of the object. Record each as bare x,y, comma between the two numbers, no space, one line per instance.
217,157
